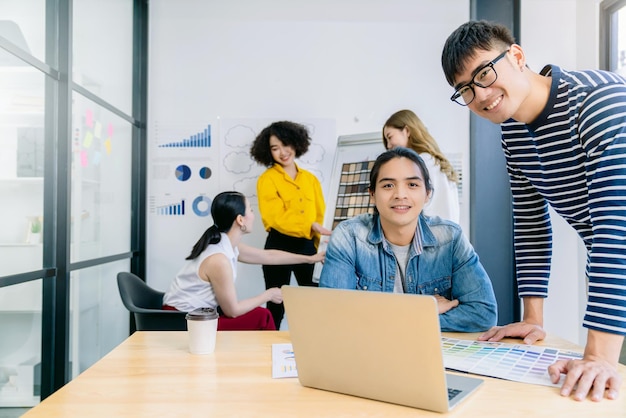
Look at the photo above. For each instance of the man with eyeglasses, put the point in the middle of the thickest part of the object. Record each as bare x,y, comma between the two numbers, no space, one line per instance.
564,139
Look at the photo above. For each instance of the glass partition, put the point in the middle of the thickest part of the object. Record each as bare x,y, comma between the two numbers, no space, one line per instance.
20,344
619,48
33,110
21,167
103,49
101,186
99,320
23,23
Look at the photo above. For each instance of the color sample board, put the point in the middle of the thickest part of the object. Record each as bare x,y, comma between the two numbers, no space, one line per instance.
517,362
352,196
348,192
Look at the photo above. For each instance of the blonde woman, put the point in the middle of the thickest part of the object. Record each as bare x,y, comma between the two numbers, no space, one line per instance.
405,129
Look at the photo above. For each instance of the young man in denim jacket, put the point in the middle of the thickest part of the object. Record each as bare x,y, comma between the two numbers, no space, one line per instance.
398,249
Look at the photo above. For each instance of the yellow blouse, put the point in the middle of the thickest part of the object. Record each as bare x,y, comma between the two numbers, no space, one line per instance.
288,205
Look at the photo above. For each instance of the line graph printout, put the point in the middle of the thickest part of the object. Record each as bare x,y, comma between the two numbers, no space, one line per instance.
517,362
283,361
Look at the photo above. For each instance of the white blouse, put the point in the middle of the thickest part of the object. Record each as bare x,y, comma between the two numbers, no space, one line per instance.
445,199
188,291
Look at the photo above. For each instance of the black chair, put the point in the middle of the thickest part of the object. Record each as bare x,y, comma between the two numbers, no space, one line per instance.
146,304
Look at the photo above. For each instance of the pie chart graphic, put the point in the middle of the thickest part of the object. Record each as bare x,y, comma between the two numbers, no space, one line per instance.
205,173
183,172
202,205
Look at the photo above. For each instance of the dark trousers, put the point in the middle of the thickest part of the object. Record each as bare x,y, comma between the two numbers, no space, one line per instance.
277,276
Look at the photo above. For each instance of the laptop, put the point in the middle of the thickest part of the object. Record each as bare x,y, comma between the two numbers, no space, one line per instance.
382,346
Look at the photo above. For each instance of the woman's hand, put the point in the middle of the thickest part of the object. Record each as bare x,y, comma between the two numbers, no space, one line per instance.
274,295
316,227
319,257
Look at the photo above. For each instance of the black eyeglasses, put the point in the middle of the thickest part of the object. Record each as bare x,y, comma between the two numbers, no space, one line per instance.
484,77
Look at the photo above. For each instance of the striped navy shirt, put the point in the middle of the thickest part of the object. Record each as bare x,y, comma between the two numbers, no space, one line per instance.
573,158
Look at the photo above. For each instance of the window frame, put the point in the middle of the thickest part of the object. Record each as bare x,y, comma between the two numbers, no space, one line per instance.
608,33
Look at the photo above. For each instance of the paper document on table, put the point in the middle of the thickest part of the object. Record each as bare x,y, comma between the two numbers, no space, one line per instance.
283,361
517,362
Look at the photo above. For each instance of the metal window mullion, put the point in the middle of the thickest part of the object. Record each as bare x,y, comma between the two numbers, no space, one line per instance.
77,88
55,300
139,137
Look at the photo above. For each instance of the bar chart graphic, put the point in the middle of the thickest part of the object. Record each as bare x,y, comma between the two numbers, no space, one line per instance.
172,209
199,140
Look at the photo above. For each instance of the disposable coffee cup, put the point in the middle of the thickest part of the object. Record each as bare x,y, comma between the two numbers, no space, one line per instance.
202,330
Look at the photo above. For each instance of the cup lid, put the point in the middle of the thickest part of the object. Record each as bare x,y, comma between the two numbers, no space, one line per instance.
202,314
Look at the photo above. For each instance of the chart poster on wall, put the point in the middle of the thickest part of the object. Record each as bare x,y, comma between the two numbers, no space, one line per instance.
182,172
190,163
183,176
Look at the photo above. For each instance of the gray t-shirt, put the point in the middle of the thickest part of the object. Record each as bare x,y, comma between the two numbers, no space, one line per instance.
402,258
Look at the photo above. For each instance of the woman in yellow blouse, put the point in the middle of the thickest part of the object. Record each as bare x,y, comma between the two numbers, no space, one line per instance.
291,204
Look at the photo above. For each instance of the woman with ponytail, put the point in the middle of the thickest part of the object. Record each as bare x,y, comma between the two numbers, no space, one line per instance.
207,280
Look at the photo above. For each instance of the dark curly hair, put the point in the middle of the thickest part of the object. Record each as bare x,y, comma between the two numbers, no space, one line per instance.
289,133
467,40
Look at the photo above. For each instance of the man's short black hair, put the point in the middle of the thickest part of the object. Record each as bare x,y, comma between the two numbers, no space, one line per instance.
467,40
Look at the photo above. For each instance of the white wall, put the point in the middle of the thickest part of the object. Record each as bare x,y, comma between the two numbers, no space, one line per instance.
349,61
563,33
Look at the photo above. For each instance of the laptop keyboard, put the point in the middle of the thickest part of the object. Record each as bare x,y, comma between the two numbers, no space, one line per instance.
452,393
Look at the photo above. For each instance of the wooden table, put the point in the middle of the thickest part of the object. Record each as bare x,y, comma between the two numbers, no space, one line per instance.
152,374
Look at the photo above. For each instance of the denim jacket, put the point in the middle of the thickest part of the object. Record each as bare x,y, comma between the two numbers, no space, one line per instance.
358,257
